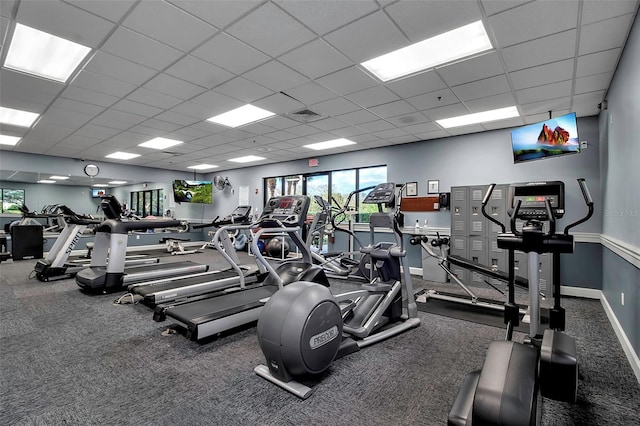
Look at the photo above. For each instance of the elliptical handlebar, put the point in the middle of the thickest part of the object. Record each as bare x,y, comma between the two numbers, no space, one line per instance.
552,219
587,200
514,215
485,200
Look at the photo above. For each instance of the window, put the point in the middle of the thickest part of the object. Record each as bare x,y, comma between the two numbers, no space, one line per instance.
12,200
147,203
334,186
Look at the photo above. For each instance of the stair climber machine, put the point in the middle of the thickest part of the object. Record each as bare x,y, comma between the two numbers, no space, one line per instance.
107,272
170,289
507,388
56,265
340,265
303,327
210,314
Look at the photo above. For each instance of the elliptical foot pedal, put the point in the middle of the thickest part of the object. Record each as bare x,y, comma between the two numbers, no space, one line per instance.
558,367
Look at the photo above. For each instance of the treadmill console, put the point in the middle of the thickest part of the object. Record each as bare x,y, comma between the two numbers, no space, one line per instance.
533,196
287,210
111,207
240,215
383,193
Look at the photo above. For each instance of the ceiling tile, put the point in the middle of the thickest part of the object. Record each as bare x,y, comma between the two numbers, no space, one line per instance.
76,106
501,124
328,124
552,48
315,59
417,84
118,119
549,91
20,89
112,10
593,83
477,68
127,105
492,7
547,105
64,117
270,30
324,16
111,66
491,102
483,88
416,129
597,10
586,104
199,72
140,49
358,117
367,37
89,96
153,98
447,111
375,95
436,99
63,20
597,63
224,12
310,93
420,20
243,89
166,23
275,76
103,84
533,20
216,103
604,35
279,103
393,109
334,107
172,86
96,131
6,8
347,81
232,55
543,74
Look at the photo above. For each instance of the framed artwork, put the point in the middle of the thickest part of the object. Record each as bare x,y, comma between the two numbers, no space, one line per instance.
412,189
433,186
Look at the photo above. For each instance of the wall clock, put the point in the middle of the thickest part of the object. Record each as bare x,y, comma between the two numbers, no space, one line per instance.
91,170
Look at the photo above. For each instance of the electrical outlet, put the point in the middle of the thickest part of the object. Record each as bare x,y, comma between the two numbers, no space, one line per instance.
584,145
137,237
622,298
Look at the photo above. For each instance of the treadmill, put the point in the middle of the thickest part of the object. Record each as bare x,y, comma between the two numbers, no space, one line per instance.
107,271
171,289
208,315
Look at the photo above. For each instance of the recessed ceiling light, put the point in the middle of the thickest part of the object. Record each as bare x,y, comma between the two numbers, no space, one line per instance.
36,52
17,117
122,155
446,47
246,159
55,177
100,185
479,117
9,140
117,182
202,166
160,143
329,144
241,116
46,181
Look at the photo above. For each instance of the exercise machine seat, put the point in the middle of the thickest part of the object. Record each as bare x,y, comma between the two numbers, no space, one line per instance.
558,367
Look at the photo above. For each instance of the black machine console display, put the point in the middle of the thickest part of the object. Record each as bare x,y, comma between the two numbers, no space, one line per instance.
288,211
383,193
533,196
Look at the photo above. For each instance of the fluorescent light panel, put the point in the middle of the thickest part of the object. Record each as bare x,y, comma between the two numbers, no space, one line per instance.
46,181
241,116
42,54
9,140
479,117
17,117
100,185
117,182
122,155
160,143
55,177
247,159
335,143
202,166
447,47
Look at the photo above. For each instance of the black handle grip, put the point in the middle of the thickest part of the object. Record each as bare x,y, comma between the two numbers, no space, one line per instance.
585,191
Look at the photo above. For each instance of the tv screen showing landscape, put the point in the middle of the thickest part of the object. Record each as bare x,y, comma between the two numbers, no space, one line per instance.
550,138
97,193
193,191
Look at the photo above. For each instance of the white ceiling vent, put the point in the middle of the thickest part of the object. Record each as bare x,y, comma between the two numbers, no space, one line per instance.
305,116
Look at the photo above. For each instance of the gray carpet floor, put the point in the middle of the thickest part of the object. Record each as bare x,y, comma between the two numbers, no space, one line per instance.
70,358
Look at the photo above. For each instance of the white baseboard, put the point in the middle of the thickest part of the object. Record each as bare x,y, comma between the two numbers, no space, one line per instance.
632,356
587,293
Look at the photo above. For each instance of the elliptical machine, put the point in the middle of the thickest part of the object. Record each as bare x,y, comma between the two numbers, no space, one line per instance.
303,327
505,390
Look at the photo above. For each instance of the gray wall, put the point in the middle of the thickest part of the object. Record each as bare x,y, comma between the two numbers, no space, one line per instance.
620,161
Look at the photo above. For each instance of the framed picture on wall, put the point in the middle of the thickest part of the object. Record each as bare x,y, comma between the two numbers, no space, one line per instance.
433,186
412,189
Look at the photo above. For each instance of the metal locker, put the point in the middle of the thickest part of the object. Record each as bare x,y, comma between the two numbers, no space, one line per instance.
459,210
497,260
477,221
459,246
497,208
478,254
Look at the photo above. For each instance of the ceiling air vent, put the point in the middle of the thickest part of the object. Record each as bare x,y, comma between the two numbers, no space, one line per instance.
305,116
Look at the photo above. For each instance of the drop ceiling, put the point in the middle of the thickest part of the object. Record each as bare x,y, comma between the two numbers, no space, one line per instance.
161,68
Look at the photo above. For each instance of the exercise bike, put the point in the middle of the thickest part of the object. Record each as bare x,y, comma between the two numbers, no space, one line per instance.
505,391
303,327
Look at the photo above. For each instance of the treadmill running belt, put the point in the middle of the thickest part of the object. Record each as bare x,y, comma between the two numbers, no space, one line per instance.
145,290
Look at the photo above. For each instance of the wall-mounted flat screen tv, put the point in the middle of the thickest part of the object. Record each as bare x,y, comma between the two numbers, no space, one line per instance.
193,191
98,192
550,138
